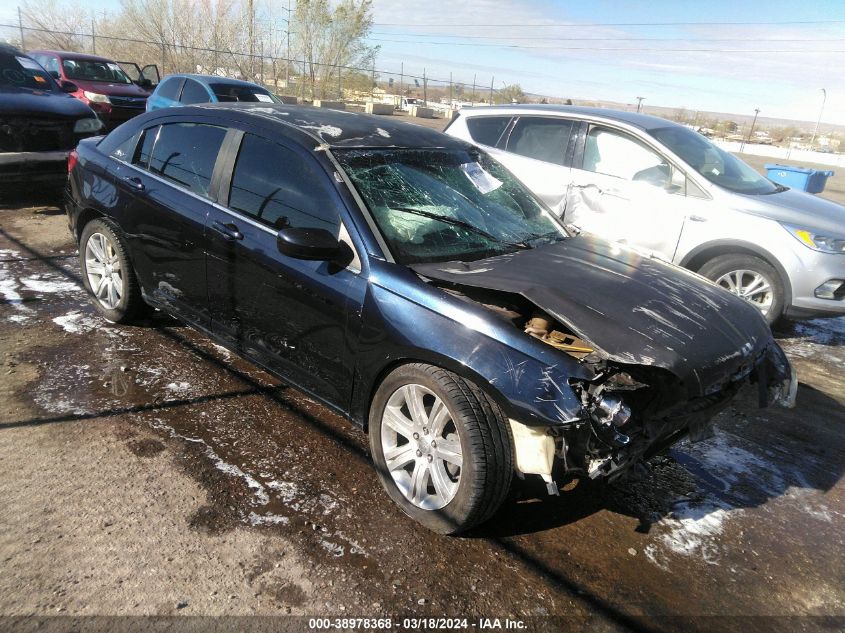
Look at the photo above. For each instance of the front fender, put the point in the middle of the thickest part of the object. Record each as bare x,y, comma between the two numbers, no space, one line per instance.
528,379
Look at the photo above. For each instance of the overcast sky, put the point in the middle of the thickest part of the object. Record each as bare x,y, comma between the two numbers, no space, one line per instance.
525,42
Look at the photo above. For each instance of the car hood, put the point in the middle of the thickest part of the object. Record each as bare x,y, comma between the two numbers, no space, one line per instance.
30,102
111,89
631,308
799,209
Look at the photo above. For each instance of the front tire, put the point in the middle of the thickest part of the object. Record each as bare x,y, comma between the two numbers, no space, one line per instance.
750,278
441,446
107,272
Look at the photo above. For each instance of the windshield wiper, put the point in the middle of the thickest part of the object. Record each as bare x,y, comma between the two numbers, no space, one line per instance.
460,223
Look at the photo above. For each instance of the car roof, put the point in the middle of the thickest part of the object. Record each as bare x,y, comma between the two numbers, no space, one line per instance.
85,56
342,129
207,79
637,119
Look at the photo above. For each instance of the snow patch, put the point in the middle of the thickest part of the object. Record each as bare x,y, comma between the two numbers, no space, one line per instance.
267,519
328,130
382,132
77,322
49,284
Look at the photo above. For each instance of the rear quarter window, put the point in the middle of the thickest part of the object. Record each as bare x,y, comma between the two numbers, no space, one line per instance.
193,92
487,130
169,89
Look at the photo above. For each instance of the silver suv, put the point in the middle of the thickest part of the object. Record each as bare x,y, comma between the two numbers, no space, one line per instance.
663,188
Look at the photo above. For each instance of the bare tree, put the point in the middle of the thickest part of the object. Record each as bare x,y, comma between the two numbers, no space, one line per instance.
331,35
55,28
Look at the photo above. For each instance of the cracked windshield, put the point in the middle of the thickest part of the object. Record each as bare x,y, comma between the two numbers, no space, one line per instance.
447,205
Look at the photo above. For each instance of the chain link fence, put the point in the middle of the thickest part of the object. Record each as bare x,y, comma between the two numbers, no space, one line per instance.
283,75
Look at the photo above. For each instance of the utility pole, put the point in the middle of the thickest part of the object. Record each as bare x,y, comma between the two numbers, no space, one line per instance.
93,36
819,120
639,103
425,89
373,84
251,9
287,61
490,100
20,25
750,131
451,99
401,81
472,97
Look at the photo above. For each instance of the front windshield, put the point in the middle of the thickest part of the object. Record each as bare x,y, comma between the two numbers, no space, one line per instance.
23,72
235,92
92,70
447,205
715,164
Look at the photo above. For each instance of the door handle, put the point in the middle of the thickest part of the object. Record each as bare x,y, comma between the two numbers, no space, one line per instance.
229,231
136,183
697,218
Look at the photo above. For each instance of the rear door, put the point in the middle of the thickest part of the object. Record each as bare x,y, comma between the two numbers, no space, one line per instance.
165,194
288,314
534,148
625,190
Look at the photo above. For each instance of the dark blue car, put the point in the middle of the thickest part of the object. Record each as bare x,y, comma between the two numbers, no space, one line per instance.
409,282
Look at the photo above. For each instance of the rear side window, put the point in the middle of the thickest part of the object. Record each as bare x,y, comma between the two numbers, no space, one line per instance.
184,153
193,93
169,89
540,138
487,130
276,186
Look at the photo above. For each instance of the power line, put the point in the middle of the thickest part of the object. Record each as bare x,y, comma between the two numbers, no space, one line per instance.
605,39
615,48
598,24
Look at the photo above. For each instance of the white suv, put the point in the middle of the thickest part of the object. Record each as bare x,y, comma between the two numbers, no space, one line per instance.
660,186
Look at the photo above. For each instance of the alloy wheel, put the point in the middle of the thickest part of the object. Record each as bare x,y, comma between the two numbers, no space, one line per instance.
421,447
102,265
749,285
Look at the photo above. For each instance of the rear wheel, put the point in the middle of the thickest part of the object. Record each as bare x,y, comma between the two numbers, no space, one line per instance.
441,446
107,272
750,278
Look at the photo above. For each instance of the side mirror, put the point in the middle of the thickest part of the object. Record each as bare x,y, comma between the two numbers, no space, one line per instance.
68,86
310,244
144,83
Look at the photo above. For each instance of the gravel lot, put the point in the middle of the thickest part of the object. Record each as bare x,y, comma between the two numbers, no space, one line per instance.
146,471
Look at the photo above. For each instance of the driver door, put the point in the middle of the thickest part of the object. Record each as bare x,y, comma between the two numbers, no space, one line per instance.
626,191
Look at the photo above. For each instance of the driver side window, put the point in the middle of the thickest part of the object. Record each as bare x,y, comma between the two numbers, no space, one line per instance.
616,154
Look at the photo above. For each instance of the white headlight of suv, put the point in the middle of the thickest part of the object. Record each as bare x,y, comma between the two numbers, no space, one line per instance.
811,239
90,124
96,97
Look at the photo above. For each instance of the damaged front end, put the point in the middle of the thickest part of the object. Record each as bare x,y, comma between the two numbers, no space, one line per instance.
632,412
626,412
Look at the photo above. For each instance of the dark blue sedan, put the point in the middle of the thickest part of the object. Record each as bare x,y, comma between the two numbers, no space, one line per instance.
411,283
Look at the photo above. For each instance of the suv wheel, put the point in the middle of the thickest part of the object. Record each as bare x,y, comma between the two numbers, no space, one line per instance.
442,447
107,272
750,278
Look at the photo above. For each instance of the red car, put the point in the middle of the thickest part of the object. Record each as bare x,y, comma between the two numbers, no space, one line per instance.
103,84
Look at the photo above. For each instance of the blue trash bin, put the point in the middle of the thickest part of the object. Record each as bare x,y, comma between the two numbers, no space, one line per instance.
803,178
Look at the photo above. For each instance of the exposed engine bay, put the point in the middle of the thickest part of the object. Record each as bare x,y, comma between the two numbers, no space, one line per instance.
629,412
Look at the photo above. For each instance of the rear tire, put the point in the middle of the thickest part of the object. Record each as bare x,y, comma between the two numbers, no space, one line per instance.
107,272
445,493
750,278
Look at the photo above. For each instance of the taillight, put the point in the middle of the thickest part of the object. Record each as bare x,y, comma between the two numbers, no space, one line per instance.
72,158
